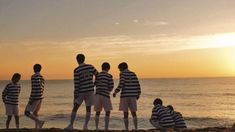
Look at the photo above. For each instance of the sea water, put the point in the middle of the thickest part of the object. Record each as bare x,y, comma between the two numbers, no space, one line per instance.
204,102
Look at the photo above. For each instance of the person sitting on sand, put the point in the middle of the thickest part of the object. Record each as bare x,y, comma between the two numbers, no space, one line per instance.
178,118
104,85
83,90
36,96
130,93
10,97
161,117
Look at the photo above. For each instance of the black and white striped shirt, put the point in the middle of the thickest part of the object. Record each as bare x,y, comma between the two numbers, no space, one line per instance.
162,115
128,84
83,79
178,119
37,84
10,94
104,84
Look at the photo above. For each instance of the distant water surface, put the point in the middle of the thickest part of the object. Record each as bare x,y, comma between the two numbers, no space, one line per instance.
204,102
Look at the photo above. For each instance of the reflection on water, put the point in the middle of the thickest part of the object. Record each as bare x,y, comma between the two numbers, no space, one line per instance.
203,101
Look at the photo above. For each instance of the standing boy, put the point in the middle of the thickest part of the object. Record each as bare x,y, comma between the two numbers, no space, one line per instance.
10,97
130,92
83,90
36,96
104,85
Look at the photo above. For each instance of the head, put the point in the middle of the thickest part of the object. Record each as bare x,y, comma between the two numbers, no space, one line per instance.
157,101
37,68
105,66
80,58
16,78
122,66
170,107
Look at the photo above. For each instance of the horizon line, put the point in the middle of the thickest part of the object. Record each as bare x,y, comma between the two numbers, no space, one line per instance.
192,77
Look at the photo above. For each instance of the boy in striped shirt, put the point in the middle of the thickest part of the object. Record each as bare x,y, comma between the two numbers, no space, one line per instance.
161,117
10,97
83,90
130,92
104,85
178,118
36,96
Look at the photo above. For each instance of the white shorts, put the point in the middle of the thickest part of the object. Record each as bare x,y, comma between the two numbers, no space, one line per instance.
101,102
12,110
128,103
34,106
88,97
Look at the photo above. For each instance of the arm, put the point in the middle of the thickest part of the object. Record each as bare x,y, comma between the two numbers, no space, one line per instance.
139,88
4,93
111,84
120,85
76,84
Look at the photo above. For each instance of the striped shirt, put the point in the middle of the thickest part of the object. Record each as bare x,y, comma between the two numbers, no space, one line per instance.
83,79
162,115
37,83
178,119
104,84
10,94
128,84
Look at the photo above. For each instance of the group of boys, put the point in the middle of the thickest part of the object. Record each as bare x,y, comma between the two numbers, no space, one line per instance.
166,117
84,91
10,97
162,117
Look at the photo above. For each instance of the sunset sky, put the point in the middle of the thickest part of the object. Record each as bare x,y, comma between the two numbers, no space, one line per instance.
157,38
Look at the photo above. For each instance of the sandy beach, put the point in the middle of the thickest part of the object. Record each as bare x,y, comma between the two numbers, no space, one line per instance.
209,129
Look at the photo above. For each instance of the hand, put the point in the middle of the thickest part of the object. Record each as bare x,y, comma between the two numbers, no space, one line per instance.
137,97
76,96
30,102
114,95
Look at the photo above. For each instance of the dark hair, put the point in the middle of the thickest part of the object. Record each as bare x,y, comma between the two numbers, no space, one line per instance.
123,66
157,101
105,66
37,68
170,107
16,77
80,58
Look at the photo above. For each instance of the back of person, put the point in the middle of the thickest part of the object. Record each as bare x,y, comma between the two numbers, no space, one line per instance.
83,78
162,115
130,84
37,82
11,94
179,120
104,84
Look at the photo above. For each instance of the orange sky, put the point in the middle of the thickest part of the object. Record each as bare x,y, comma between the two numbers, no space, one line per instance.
157,38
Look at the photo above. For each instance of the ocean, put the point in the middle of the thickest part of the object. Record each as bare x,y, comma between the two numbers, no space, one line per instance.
204,102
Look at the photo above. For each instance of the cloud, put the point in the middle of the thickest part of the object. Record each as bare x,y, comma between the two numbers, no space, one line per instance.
111,46
155,23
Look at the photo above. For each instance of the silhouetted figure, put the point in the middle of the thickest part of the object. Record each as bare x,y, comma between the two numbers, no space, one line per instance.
178,119
36,96
104,85
83,90
161,117
130,93
10,97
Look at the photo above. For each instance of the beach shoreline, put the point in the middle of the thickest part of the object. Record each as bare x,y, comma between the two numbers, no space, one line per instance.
209,129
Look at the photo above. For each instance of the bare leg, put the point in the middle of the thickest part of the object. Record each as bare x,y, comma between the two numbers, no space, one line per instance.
135,121
97,116
126,122
106,119
8,121
87,118
17,122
